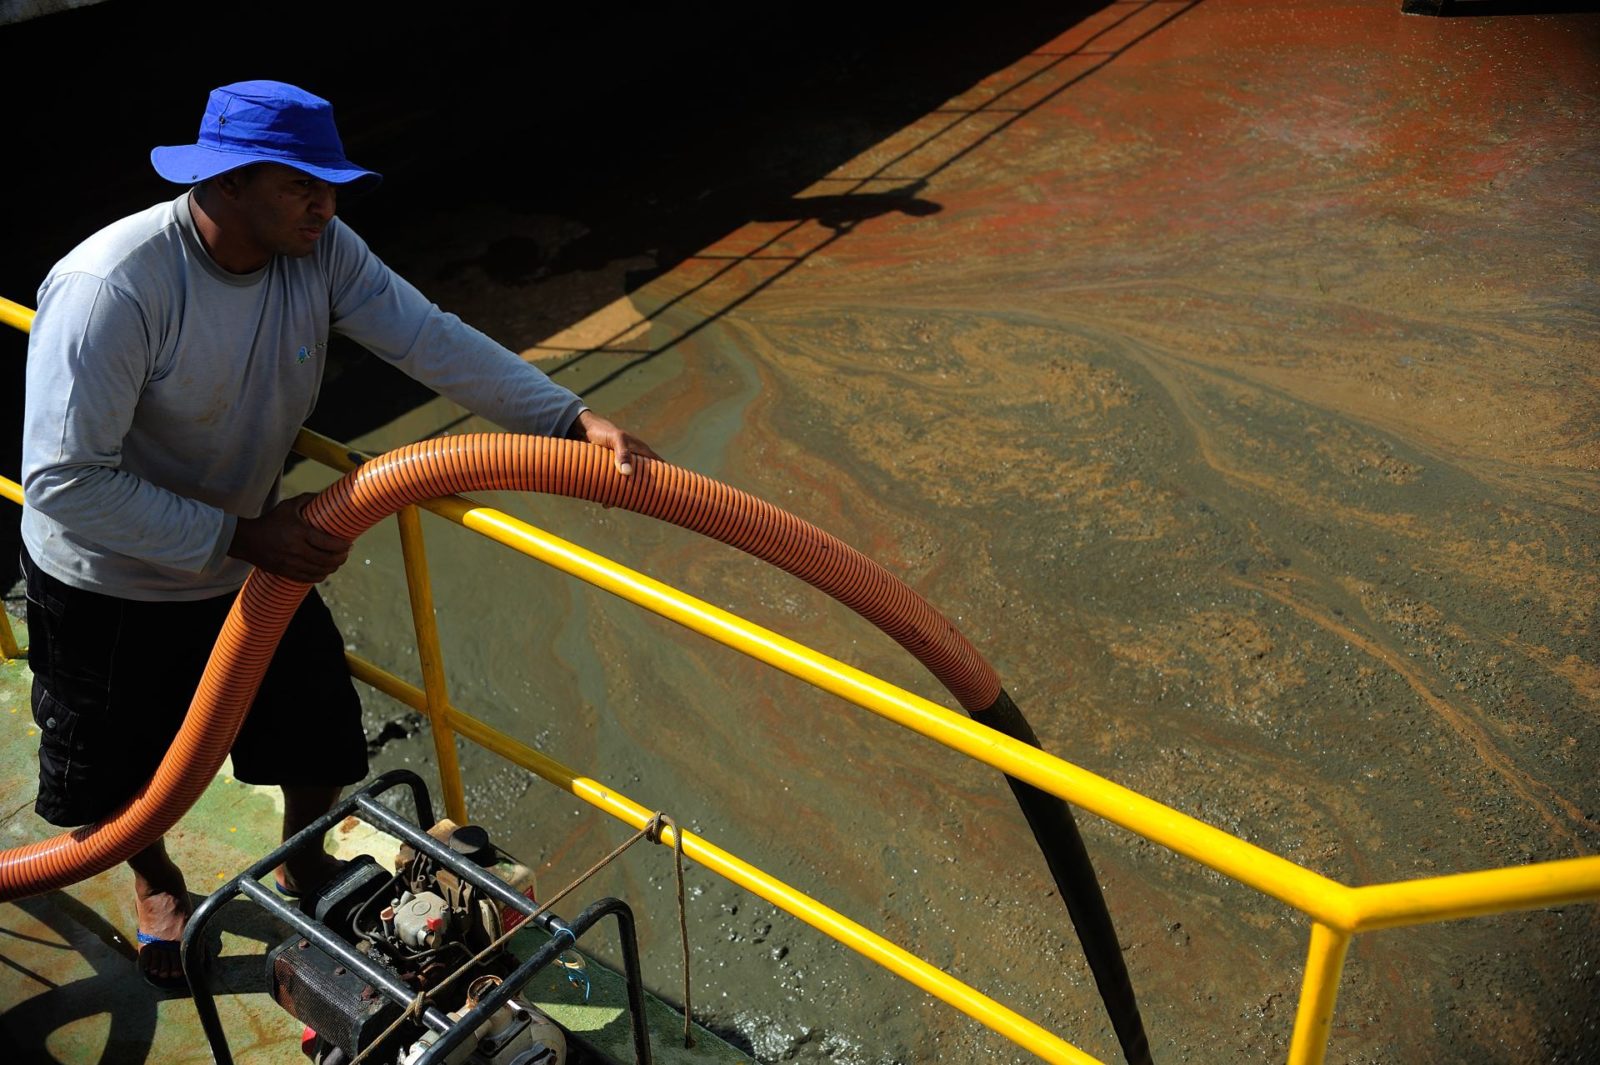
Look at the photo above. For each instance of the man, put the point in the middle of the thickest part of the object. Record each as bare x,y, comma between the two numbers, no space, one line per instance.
174,356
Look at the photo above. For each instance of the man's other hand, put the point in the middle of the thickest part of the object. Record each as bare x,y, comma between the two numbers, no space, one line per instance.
623,444
281,542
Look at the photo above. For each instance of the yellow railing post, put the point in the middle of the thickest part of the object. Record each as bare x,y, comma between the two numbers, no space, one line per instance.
8,639
1319,989
18,317
980,1007
428,653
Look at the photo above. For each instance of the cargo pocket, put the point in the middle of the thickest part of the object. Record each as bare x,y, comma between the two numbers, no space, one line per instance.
67,778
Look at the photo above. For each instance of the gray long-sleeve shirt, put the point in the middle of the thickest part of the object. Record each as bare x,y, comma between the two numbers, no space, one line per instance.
164,393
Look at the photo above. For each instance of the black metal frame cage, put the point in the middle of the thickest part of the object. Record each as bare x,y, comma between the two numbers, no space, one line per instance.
451,1033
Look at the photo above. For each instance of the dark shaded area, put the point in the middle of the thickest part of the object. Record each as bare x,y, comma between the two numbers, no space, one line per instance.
841,214
656,133
29,1024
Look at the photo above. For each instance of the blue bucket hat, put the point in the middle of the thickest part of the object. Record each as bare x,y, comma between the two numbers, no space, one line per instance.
263,122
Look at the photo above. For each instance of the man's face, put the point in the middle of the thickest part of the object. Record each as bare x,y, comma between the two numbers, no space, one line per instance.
283,210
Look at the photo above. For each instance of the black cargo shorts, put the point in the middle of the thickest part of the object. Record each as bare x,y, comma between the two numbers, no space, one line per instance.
112,681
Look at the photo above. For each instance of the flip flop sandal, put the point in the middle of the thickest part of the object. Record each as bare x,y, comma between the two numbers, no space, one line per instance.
161,983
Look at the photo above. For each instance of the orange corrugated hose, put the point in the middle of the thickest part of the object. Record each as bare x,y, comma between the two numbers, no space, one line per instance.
477,463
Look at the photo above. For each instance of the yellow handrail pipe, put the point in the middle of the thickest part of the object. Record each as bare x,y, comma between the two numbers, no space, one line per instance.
1267,872
896,959
16,315
1475,894
1261,869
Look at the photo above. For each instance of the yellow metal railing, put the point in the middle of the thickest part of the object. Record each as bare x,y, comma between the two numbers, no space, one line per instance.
12,491
1337,911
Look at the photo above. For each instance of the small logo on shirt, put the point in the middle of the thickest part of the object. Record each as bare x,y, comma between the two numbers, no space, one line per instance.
306,352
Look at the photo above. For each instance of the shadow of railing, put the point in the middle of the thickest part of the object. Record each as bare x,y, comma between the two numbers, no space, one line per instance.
1129,23
921,67
30,1023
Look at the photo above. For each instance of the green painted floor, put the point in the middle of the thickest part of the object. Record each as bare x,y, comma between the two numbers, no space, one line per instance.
69,992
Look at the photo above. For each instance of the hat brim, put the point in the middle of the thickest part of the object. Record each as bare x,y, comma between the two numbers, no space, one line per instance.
187,164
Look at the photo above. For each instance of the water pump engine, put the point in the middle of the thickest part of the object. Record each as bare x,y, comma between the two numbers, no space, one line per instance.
423,923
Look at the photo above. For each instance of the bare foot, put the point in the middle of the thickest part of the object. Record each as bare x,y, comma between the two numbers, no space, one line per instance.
162,902
306,874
